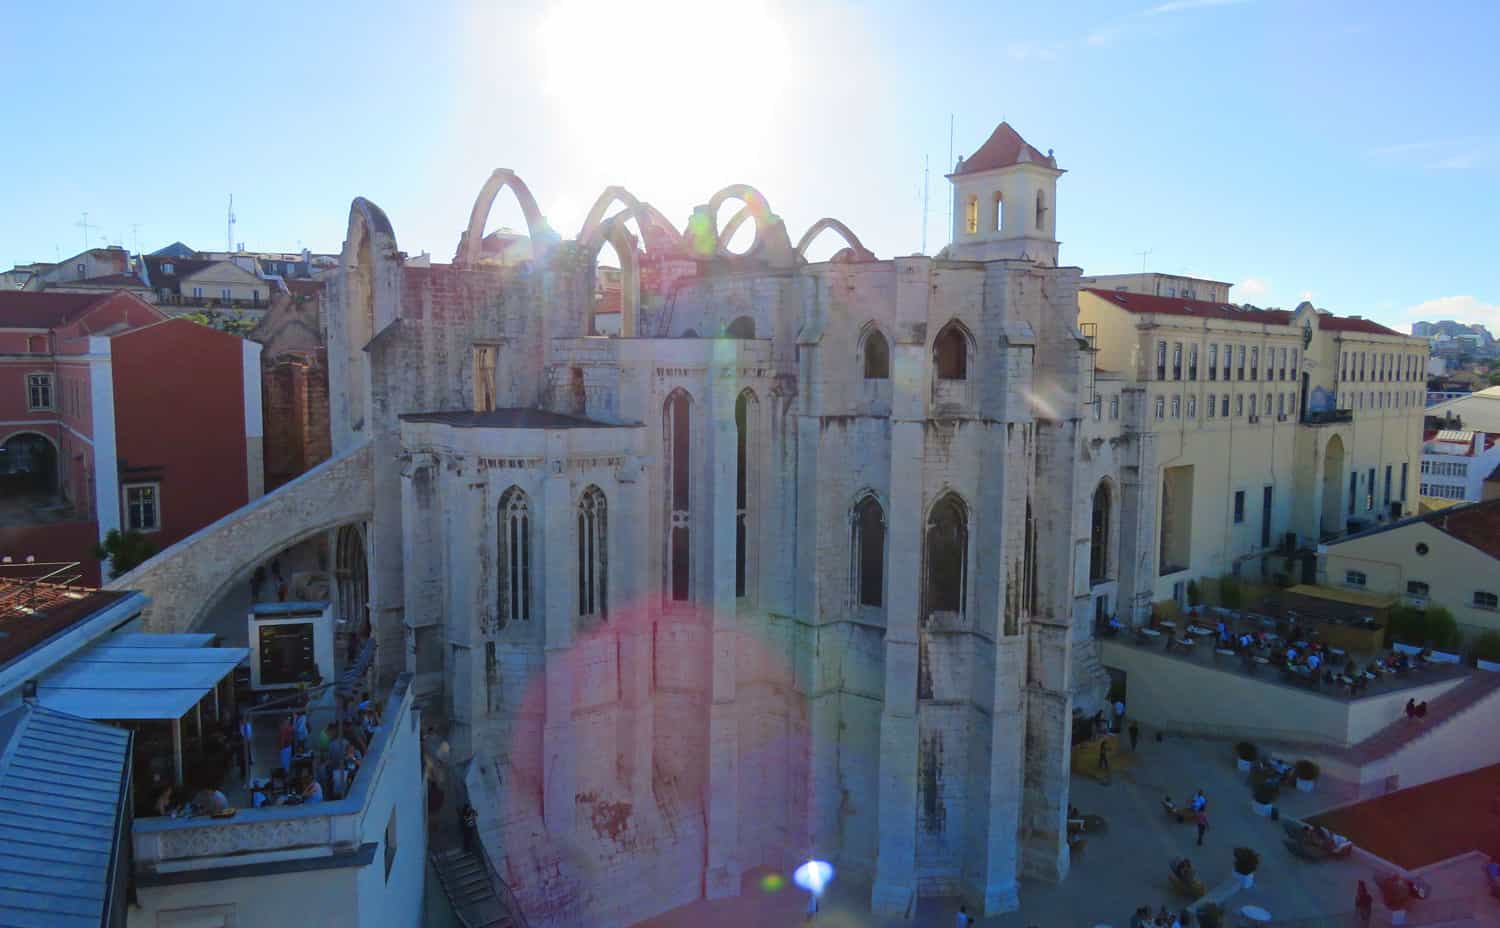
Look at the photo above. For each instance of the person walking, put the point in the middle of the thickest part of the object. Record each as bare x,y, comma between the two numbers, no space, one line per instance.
963,920
469,820
1135,735
1202,825
1363,902
1119,715
1104,756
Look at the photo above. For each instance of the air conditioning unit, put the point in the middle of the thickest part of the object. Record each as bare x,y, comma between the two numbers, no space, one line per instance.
1254,418
1281,417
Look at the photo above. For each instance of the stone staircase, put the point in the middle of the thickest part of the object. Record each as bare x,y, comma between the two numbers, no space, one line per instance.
471,887
1090,679
1404,732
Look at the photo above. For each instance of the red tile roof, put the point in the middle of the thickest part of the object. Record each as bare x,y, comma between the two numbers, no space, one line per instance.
112,281
1173,306
30,310
1477,524
1004,148
1351,324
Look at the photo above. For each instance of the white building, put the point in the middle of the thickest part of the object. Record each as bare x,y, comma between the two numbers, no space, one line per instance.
1455,463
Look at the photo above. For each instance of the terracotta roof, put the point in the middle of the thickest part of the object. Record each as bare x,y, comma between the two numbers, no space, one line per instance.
1350,324
1003,148
44,310
111,281
1477,525
1144,303
30,613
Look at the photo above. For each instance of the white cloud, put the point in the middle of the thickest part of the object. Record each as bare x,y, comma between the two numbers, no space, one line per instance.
1307,296
1461,161
1033,51
1179,6
1465,309
1252,287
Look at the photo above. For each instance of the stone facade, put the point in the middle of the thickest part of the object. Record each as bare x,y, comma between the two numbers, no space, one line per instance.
784,570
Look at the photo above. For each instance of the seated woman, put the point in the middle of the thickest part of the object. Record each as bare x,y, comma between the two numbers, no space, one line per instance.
1183,870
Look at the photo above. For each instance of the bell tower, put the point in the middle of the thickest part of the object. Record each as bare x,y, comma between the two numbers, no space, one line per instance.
1004,202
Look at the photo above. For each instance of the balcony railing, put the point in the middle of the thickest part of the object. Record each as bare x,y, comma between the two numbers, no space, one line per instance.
1326,416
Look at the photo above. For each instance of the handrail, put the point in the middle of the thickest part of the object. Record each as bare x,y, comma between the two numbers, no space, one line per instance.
502,889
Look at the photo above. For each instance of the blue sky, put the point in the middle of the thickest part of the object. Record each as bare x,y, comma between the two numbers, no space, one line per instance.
1350,151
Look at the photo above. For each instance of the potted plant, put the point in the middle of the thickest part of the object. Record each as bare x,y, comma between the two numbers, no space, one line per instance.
1245,754
1487,651
1210,915
1194,594
1262,797
1307,775
1245,863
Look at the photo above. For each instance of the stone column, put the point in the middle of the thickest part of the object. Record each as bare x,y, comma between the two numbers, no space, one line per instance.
1007,751
554,559
722,440
895,871
633,593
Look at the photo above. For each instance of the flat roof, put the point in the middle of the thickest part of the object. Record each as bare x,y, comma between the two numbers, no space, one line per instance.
298,607
1352,597
152,640
510,418
136,682
61,797
32,612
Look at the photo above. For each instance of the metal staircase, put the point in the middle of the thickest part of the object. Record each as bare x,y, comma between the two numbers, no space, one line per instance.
479,897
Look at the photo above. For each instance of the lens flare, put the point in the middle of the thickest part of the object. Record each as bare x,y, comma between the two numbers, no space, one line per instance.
814,876
772,883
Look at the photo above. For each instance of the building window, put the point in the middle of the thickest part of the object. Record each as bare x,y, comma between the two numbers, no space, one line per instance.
142,507
1253,398
1417,588
1161,360
484,377
1192,362
1176,407
390,844
1041,211
1370,491
1224,407
1114,407
999,225
1213,362
1485,600
1212,407
1228,355
746,416
1403,481
1099,535
1387,498
1239,404
677,433
741,327
1239,506
951,353
971,216
166,268
877,357
1254,363
1240,368
593,554
1161,407
197,293
1354,578
1177,361
1192,407
1293,366
947,555
1353,490
869,551
515,557
38,391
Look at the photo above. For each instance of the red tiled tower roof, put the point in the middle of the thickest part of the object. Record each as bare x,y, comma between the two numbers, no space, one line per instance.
1003,148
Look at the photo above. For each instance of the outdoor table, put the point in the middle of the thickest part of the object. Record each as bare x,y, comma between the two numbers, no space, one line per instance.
1255,915
1262,660
1224,651
1167,623
1151,631
1199,630
1337,652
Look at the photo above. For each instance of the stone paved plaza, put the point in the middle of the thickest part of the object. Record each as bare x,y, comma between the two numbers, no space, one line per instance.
1127,867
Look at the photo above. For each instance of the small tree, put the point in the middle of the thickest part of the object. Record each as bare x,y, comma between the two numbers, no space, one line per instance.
1230,593
124,550
1246,861
1194,593
1440,630
1487,647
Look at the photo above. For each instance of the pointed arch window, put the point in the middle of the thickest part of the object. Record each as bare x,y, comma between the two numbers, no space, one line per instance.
947,546
950,352
1099,536
677,436
877,357
515,557
1041,211
971,216
869,551
1000,212
746,417
593,554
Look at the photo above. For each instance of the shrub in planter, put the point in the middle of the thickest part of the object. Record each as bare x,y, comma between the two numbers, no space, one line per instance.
1246,862
1440,629
1230,593
1194,593
1246,751
1210,916
1487,647
1265,793
1307,775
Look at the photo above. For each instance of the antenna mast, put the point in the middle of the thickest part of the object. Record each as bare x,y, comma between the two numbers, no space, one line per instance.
925,159
229,228
86,227
949,168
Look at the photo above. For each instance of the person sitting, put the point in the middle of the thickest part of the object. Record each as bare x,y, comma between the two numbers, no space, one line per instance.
1115,625
1422,710
1183,870
312,790
163,804
1313,660
257,794
1170,808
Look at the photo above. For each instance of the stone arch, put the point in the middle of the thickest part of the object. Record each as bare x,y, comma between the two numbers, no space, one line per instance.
756,207
1331,519
945,555
867,549
351,572
1101,531
593,554
614,231
368,269
741,327
657,232
515,530
471,244
952,351
38,462
874,353
856,250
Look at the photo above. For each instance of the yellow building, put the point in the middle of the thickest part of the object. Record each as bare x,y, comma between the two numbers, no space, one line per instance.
1449,558
1247,432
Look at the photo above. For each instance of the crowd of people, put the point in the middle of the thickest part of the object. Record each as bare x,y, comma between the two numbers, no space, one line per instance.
1145,918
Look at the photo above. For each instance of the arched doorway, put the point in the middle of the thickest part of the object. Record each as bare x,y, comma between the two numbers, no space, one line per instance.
1333,485
28,467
